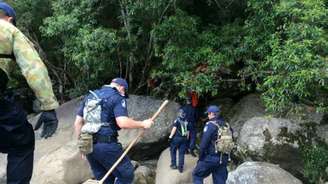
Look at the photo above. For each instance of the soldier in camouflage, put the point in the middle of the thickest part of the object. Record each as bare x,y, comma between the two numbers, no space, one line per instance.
16,134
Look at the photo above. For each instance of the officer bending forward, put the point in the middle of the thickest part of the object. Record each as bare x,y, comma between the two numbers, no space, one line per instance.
113,117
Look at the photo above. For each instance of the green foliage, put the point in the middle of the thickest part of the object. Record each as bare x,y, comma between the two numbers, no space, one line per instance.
315,162
285,46
194,57
277,48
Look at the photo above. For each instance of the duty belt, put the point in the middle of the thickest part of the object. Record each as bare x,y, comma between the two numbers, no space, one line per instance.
104,139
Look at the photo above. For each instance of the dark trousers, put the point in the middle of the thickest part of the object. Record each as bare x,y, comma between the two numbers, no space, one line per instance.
19,145
203,169
102,158
178,143
192,138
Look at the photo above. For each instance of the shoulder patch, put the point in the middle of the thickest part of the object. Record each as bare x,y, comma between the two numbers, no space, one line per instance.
205,129
123,103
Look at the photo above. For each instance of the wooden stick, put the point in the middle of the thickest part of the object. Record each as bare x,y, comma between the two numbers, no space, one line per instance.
132,143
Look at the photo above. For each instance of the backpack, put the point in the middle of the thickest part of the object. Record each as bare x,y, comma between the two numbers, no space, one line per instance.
224,142
92,114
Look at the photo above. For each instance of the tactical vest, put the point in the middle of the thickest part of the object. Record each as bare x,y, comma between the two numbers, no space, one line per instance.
182,129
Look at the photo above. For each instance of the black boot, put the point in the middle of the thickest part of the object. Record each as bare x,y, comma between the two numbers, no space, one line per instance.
173,167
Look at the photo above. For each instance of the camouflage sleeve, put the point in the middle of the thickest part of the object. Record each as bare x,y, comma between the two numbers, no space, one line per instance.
34,71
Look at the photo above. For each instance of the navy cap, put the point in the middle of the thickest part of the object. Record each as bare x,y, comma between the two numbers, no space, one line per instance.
8,10
213,108
121,82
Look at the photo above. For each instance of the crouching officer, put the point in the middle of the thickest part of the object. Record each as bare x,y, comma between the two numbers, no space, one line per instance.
16,134
210,161
102,114
179,140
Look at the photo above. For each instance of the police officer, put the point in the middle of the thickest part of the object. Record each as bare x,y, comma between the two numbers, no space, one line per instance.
192,118
106,149
178,140
16,134
209,161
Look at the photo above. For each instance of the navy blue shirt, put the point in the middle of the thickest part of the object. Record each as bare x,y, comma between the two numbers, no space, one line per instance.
191,114
207,144
113,105
178,123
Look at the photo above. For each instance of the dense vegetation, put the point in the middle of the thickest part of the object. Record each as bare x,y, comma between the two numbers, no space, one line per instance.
214,47
277,48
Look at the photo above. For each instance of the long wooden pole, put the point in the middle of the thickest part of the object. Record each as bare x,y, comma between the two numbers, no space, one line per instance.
132,143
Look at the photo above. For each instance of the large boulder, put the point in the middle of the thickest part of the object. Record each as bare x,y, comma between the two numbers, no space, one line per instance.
247,108
269,139
154,140
260,173
165,175
63,166
144,175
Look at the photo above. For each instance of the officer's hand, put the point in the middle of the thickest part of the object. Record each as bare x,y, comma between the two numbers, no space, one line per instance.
147,123
170,140
50,123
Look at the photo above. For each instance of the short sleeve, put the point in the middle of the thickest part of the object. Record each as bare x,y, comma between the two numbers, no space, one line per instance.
120,108
79,111
175,123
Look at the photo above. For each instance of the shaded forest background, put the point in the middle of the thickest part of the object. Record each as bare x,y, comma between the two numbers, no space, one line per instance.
165,48
277,48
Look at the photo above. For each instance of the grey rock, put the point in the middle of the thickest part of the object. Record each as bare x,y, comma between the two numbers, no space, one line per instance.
154,140
260,173
268,139
144,175
248,107
165,175
63,166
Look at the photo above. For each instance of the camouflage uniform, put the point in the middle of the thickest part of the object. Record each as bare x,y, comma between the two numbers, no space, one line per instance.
16,134
14,42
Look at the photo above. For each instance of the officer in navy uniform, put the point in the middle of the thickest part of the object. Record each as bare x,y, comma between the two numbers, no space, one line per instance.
209,160
192,118
106,149
178,140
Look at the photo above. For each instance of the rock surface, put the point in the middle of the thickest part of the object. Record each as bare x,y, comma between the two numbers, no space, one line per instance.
144,175
260,173
154,140
267,139
165,175
63,166
248,107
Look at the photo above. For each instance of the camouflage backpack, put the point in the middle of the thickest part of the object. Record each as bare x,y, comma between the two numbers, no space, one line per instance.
92,123
92,114
224,142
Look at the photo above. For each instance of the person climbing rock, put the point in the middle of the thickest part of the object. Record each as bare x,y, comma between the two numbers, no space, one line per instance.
178,140
101,115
